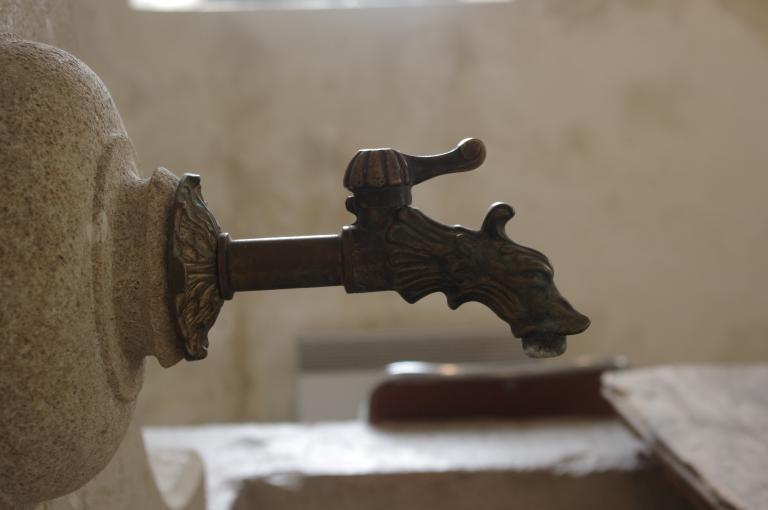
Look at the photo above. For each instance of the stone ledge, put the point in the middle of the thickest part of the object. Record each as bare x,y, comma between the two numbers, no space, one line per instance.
549,464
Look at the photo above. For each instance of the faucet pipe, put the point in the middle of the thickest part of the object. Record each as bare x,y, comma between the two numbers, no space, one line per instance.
390,246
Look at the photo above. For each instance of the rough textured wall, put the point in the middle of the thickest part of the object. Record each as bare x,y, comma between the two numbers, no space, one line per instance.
629,136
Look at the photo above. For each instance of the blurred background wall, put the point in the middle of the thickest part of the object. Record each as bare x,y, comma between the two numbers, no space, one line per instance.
630,136
48,21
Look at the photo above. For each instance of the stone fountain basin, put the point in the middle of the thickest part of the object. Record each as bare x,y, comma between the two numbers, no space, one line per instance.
552,464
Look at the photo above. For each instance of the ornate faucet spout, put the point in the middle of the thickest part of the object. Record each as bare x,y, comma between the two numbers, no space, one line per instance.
391,246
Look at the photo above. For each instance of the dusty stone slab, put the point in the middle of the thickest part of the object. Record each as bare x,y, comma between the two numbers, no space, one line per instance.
537,464
708,424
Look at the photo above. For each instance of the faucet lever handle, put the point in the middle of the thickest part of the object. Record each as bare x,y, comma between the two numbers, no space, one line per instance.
376,169
467,155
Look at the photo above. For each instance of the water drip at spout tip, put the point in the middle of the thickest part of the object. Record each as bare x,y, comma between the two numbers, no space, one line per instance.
544,346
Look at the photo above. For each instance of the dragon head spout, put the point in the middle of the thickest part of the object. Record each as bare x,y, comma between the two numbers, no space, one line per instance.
514,281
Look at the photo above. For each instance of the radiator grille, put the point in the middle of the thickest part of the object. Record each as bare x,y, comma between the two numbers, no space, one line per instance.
366,350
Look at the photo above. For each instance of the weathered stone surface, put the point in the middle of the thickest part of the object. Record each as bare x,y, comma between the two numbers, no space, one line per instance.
127,483
82,274
708,425
489,465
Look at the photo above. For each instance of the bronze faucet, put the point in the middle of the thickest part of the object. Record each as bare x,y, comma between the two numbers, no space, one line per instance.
391,246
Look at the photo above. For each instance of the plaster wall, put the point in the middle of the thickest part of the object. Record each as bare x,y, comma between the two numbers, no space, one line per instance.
628,135
47,21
